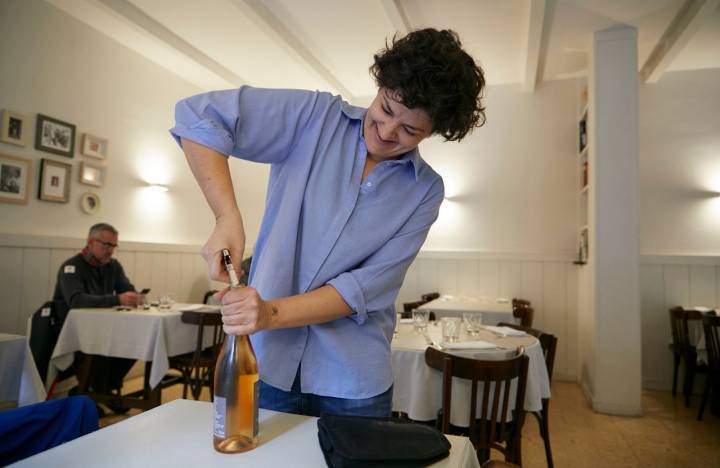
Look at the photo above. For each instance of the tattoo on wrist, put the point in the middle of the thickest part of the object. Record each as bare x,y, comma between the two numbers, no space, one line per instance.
274,311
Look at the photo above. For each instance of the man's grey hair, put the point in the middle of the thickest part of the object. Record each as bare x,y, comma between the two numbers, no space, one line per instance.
99,227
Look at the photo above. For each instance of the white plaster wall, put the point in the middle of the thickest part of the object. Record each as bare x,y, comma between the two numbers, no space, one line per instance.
58,66
680,164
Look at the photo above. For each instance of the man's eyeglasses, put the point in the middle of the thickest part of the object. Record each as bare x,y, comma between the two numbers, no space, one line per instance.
107,245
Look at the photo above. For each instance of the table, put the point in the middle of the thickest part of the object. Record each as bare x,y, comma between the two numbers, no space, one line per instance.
179,434
19,378
418,388
148,335
494,310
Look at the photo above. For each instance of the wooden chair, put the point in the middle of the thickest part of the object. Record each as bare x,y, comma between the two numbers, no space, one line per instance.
493,427
499,464
548,343
198,367
517,302
525,314
208,294
711,323
683,350
427,297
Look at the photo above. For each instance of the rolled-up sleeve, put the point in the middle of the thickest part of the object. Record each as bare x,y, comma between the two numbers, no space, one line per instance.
375,284
256,124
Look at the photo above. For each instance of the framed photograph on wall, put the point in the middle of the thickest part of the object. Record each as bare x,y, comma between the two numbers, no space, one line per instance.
92,175
14,128
90,202
93,146
14,179
54,181
54,136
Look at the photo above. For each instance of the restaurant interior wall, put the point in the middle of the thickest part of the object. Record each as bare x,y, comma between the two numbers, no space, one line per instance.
58,66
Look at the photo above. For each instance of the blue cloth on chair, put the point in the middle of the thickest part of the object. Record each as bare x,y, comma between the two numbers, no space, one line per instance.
34,428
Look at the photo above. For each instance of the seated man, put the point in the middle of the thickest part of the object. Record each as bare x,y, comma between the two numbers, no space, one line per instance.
93,278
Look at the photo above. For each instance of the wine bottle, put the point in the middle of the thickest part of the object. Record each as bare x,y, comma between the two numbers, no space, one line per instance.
236,396
236,393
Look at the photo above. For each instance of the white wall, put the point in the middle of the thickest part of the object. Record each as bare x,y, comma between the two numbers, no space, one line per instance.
680,164
58,66
511,184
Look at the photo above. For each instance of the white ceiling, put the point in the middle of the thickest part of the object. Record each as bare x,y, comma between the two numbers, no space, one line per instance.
328,44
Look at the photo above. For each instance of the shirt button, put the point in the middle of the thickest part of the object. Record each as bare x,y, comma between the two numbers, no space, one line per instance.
369,184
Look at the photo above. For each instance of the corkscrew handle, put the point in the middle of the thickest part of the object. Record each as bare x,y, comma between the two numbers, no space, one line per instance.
227,261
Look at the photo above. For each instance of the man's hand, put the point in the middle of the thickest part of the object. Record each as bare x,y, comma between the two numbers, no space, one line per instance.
129,298
244,312
228,234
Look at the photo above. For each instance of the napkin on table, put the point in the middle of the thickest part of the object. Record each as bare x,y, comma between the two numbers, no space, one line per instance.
406,320
505,331
477,344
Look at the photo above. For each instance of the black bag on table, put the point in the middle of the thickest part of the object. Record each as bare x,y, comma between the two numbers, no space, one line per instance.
357,441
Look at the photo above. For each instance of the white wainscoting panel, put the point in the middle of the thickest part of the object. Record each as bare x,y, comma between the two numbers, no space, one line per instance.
548,282
29,266
668,281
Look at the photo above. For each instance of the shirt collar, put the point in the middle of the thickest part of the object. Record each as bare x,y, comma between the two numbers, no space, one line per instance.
411,157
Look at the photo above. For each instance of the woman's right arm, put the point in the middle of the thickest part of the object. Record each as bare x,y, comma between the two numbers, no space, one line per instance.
212,174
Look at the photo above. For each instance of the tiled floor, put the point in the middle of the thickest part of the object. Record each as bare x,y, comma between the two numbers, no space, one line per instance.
668,435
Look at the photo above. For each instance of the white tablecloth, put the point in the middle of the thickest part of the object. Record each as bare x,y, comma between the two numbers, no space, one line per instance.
147,335
179,434
19,377
493,311
418,388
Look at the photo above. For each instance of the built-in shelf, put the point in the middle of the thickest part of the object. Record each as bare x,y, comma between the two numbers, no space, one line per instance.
583,180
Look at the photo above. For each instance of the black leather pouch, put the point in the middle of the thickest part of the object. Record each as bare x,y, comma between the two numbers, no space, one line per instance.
356,441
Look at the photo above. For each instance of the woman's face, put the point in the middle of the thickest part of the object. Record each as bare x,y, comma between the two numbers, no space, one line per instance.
391,129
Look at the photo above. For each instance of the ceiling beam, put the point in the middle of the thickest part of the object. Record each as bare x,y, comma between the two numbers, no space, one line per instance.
145,22
397,16
687,21
271,25
534,30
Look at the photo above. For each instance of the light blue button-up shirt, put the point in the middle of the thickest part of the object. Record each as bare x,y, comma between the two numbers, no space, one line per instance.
323,225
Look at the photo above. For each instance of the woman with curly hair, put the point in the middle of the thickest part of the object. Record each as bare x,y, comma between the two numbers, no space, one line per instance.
349,204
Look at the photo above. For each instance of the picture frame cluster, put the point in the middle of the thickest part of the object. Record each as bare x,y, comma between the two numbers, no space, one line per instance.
57,137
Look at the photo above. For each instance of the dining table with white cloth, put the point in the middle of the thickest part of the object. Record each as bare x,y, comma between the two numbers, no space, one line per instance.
150,335
180,434
20,380
417,388
493,311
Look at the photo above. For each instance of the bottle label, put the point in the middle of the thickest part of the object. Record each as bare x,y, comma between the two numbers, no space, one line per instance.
256,405
219,405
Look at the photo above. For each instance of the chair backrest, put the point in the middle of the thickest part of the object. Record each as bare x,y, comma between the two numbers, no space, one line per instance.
410,306
525,314
208,294
679,318
548,343
211,320
711,323
496,378
517,302
427,297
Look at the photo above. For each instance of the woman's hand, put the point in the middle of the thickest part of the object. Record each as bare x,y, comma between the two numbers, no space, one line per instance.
228,234
244,312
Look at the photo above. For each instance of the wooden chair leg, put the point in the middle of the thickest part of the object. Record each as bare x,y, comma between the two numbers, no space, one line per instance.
706,393
545,432
689,381
676,366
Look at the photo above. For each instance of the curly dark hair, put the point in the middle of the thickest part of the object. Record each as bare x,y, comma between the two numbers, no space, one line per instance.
428,69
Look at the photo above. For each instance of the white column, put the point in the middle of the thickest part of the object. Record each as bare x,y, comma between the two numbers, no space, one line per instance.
612,367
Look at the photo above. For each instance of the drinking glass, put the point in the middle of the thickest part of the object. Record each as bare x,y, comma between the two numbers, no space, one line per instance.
473,322
166,301
450,329
420,319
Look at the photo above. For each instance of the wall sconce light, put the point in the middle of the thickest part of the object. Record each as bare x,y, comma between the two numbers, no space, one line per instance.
158,187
